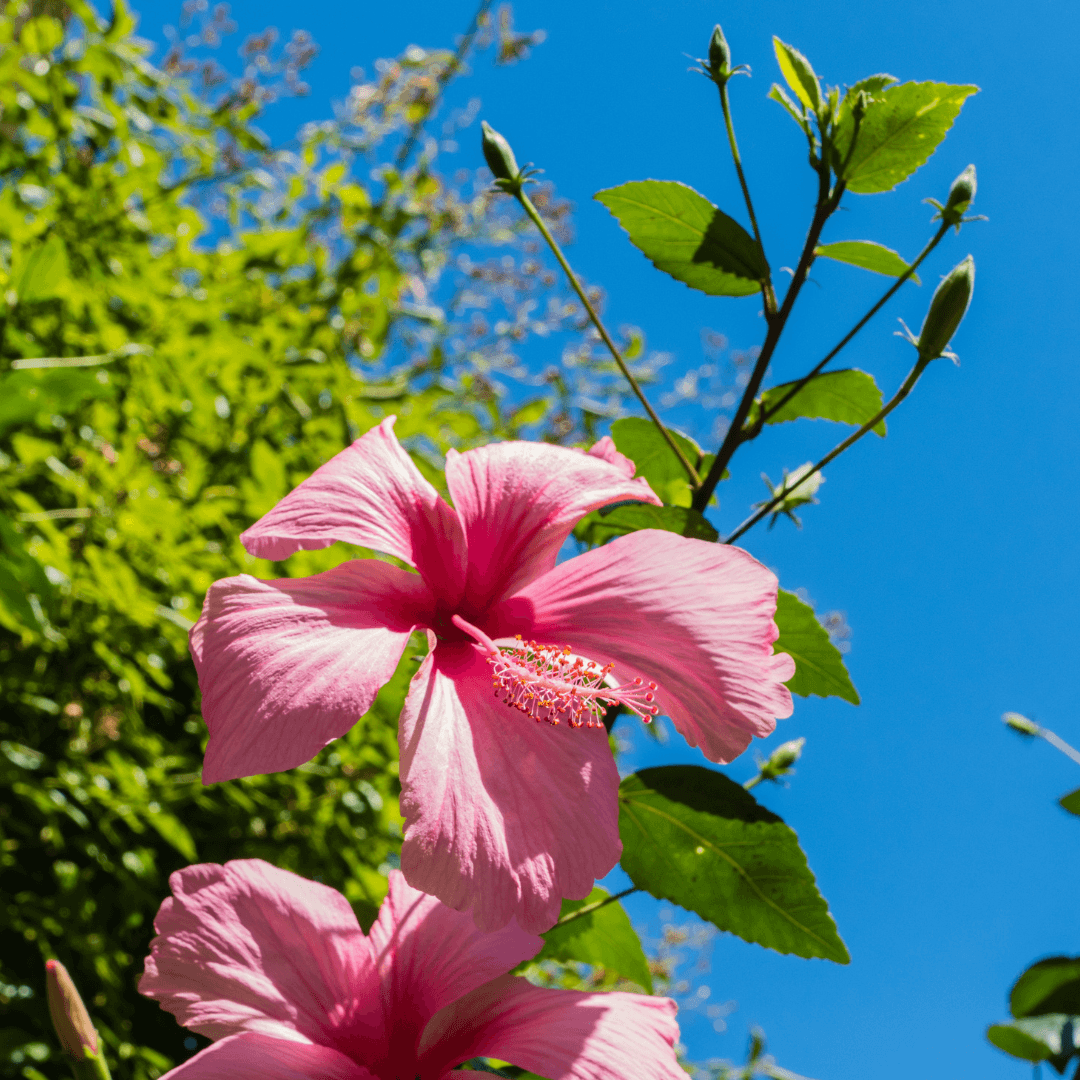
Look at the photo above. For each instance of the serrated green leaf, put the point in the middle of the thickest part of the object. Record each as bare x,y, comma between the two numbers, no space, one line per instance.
902,127
819,667
601,526
798,74
684,235
692,836
848,396
1049,986
867,254
642,443
1071,802
777,93
603,937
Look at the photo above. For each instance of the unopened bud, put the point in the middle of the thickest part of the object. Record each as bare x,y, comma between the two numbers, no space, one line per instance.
1021,724
960,194
860,105
719,53
69,1016
498,155
780,761
947,309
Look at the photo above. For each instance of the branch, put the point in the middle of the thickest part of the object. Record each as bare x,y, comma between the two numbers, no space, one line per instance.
905,389
588,909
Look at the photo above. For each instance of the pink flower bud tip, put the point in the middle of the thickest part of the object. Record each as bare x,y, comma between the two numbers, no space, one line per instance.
69,1015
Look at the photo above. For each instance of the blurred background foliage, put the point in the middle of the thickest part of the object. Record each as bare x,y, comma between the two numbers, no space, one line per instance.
191,321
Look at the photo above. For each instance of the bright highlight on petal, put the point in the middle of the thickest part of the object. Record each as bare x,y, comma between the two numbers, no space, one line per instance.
275,970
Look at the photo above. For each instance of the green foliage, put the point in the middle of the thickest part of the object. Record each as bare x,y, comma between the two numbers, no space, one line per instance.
849,397
603,937
799,75
1071,802
1049,1038
902,127
640,441
165,377
1049,986
692,836
684,235
867,254
603,525
819,667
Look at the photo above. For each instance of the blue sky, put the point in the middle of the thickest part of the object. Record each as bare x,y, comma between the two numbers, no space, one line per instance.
932,830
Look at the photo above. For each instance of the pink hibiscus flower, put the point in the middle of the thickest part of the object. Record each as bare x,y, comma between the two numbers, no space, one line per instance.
276,970
503,815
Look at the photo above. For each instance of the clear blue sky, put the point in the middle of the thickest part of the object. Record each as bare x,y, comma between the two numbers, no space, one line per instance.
950,544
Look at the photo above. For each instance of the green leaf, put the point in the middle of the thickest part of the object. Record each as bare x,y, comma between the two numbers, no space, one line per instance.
798,74
1038,1038
1071,802
777,93
1014,1040
849,396
173,832
684,235
28,393
1050,986
43,270
819,667
603,937
692,836
642,443
603,525
868,255
902,127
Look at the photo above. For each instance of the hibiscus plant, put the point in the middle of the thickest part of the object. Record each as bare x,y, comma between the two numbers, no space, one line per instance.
394,786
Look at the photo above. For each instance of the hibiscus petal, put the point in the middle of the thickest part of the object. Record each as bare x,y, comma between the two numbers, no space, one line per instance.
560,1034
260,1057
249,947
503,815
287,666
518,502
695,617
371,495
428,956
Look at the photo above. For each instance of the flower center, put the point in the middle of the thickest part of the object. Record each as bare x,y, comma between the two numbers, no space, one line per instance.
550,683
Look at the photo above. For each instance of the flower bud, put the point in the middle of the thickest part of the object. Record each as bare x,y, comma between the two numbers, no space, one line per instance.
719,53
947,309
785,755
69,1016
498,155
960,195
1021,724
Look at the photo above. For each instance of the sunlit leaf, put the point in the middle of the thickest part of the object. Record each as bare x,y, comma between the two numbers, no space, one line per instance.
868,255
819,666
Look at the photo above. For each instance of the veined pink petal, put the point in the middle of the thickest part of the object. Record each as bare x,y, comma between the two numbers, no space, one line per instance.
560,1034
503,815
695,617
518,502
253,1056
428,956
371,495
249,947
287,666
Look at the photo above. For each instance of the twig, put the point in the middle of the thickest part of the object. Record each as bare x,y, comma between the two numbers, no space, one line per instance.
588,909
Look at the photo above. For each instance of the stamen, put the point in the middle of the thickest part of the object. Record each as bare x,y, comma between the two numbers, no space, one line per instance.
551,683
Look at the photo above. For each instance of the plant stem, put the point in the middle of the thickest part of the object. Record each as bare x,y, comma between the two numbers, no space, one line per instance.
766,286
1060,744
889,293
588,909
826,204
538,221
754,781
905,389
452,68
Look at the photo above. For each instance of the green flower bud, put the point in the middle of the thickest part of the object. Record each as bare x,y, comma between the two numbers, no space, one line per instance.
69,1016
1021,724
785,755
719,53
947,309
961,193
498,155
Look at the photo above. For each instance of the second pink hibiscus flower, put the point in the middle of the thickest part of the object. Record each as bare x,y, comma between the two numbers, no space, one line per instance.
504,815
